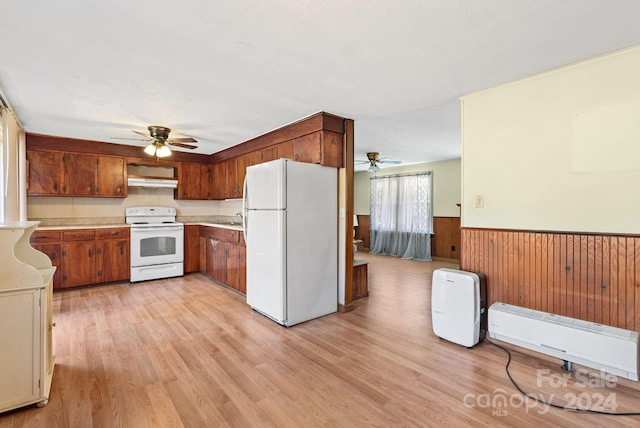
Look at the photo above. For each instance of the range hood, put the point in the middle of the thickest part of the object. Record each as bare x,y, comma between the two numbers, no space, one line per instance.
136,181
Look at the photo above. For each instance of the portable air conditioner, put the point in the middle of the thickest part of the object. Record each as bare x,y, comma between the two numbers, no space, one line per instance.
458,306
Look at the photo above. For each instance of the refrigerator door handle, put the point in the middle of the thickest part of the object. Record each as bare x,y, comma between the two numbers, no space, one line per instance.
245,210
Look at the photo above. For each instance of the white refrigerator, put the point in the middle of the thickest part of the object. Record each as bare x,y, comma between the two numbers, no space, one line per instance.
291,232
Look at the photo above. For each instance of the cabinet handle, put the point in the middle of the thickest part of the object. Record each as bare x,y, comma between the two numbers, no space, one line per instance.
78,235
89,253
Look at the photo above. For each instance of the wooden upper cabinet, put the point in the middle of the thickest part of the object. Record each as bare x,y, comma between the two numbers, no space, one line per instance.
231,189
57,173
308,148
79,172
242,163
218,180
194,181
270,153
322,147
44,173
110,180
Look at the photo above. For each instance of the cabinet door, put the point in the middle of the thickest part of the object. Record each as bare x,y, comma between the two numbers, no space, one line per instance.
44,173
285,150
236,272
79,261
194,181
202,265
191,248
205,182
269,154
231,189
79,171
218,180
242,268
53,252
19,341
220,262
110,177
308,148
112,261
242,162
233,273
216,263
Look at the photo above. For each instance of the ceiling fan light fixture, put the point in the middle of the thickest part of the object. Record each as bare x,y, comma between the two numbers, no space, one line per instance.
374,168
150,149
163,151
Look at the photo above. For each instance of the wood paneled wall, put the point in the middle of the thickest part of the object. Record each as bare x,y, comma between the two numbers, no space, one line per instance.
592,277
445,242
362,231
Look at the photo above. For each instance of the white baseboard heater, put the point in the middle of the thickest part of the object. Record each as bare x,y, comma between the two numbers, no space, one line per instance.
613,350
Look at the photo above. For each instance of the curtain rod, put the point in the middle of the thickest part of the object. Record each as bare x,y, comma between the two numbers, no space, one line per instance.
408,174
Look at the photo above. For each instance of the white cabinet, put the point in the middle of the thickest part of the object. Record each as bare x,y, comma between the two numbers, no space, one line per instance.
26,286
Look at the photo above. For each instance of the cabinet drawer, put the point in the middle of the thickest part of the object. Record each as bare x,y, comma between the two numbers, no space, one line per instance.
79,235
220,234
119,232
45,236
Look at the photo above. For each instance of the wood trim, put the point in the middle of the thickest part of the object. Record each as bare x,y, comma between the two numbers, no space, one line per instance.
315,123
349,158
50,142
589,276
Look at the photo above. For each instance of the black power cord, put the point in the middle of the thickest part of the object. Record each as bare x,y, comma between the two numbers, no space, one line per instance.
548,403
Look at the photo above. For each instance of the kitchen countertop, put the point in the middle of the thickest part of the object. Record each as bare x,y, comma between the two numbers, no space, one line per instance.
82,226
237,227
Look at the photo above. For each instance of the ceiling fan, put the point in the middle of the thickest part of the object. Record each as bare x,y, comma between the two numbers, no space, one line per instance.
374,159
160,141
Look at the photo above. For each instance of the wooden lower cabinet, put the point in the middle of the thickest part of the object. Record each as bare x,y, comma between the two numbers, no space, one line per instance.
85,256
223,255
360,279
192,249
112,261
79,263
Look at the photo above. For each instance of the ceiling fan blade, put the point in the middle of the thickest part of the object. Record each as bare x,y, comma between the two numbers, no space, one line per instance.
147,136
389,160
133,139
361,161
183,140
186,146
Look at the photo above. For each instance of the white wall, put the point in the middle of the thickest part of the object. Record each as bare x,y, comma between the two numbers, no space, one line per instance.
559,151
60,208
446,186
10,186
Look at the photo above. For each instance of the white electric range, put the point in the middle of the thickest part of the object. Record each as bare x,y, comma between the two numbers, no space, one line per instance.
157,243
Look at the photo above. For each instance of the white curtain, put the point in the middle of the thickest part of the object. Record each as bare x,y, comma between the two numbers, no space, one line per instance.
402,215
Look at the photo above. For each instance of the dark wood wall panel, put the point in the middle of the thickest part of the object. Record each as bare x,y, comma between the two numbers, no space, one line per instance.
445,242
362,231
587,276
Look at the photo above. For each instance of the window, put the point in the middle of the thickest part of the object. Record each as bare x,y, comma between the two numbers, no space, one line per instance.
402,215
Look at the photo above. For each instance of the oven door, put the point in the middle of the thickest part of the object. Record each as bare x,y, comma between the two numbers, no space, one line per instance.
156,244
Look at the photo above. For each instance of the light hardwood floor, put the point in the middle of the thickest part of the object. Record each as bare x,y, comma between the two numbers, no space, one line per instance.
187,352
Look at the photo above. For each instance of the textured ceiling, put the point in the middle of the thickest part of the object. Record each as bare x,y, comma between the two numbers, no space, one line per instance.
226,71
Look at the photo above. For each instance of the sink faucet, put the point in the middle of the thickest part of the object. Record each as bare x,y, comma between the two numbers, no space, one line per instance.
239,213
